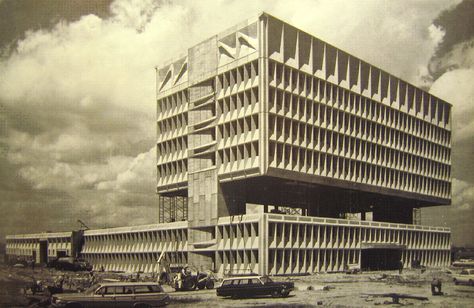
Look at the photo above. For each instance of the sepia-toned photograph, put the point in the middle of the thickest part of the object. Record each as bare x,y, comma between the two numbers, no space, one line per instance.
236,153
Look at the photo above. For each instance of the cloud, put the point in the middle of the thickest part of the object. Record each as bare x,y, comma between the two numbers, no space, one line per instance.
458,24
78,98
138,177
460,55
463,195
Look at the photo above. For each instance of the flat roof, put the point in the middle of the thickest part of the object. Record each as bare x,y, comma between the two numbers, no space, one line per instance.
41,236
127,283
245,277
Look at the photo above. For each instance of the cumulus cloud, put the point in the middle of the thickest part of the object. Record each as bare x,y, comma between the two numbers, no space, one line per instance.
463,195
79,97
138,177
460,55
458,24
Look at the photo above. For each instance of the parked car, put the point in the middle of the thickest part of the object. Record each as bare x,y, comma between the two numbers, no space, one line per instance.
115,294
464,263
70,264
248,286
465,277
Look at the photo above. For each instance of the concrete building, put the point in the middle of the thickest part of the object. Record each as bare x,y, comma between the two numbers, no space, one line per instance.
267,114
270,243
134,249
253,243
42,247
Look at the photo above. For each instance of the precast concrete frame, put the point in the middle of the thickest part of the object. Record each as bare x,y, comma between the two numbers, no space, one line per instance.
254,243
137,248
271,84
266,113
27,246
281,244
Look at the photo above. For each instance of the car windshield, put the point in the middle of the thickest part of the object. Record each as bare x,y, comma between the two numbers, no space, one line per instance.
266,279
91,289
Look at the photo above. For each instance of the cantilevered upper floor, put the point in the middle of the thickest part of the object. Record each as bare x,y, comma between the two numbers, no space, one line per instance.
265,99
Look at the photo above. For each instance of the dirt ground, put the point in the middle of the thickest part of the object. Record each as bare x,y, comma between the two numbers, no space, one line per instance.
335,290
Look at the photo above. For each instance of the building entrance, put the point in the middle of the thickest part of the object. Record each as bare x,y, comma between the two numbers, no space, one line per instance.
377,257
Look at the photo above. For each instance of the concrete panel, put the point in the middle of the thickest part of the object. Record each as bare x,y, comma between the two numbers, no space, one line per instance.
202,60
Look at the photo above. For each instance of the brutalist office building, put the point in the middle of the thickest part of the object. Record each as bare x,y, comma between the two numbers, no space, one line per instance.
278,153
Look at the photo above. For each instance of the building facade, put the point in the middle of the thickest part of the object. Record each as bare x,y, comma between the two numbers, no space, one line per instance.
137,248
274,244
41,247
267,114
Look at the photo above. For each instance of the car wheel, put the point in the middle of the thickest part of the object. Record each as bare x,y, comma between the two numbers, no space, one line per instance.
285,293
210,284
276,293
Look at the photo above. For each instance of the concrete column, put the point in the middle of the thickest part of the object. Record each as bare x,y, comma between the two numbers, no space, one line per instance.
263,245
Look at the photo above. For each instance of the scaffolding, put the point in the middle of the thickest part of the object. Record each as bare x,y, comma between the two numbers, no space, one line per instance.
174,208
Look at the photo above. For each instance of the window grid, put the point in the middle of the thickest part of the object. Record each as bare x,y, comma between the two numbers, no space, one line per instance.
318,128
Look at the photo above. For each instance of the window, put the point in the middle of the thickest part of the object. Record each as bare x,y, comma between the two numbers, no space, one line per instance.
143,289
255,281
123,290
106,290
227,282
266,279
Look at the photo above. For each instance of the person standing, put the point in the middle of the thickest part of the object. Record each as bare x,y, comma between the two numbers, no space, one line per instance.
436,286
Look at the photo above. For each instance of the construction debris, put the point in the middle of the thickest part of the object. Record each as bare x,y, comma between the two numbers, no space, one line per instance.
312,290
397,296
318,288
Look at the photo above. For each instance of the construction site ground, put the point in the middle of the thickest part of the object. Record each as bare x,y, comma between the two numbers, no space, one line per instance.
329,289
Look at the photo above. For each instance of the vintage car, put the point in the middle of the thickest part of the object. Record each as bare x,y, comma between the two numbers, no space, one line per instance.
464,263
115,294
465,277
249,286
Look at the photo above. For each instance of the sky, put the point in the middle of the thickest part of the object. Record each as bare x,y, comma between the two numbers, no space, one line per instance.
77,94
